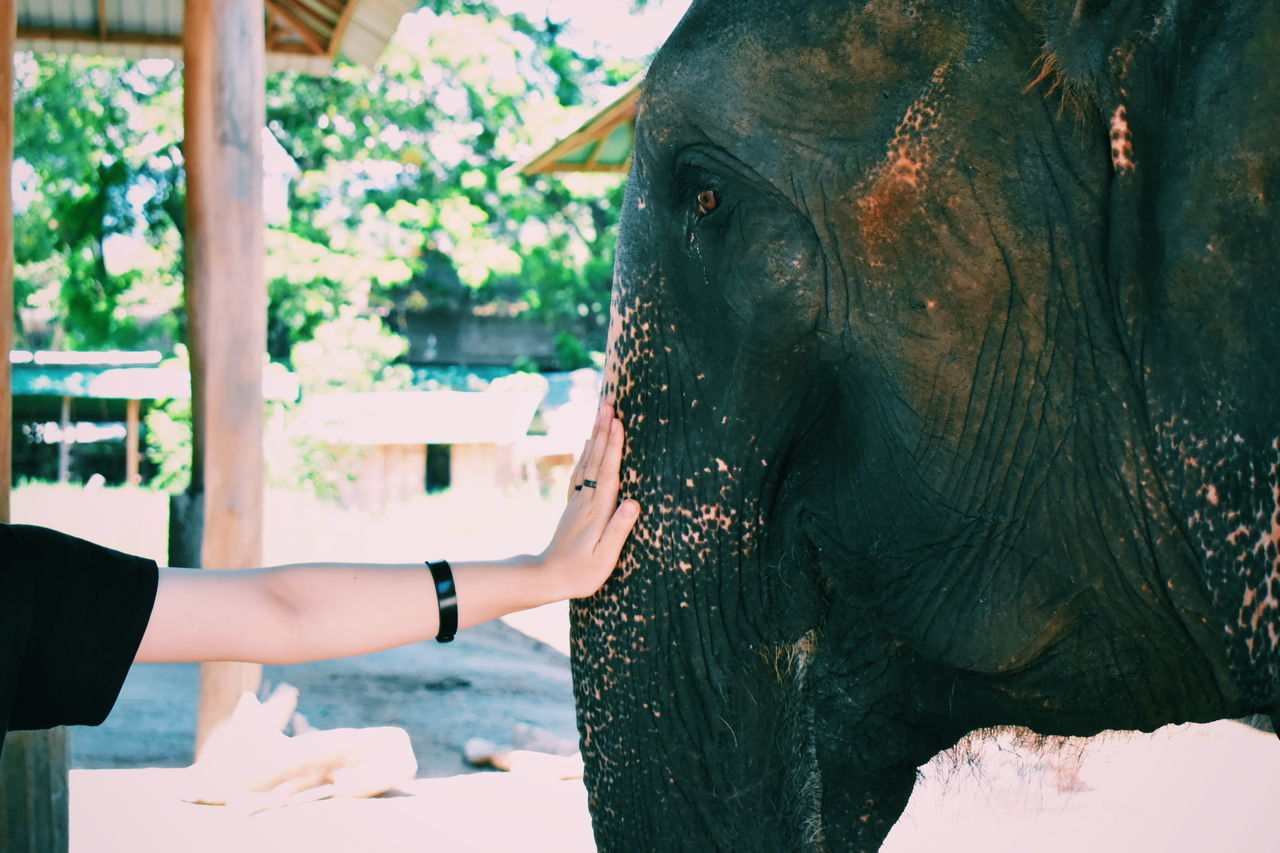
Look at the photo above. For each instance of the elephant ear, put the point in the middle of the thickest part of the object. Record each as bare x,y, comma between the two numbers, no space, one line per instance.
1088,45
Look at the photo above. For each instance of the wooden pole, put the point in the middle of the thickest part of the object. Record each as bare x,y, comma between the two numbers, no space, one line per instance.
223,52
34,803
64,441
132,455
33,772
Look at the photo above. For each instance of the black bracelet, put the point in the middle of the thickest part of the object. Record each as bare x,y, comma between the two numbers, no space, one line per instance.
446,599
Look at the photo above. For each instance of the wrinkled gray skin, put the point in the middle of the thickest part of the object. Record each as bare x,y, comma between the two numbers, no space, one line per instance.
947,339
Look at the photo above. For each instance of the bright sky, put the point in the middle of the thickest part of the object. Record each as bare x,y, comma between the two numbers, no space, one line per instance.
608,25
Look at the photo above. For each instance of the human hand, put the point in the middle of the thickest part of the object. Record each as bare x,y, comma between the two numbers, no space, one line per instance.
594,526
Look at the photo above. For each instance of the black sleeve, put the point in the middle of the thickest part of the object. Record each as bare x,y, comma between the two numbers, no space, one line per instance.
86,610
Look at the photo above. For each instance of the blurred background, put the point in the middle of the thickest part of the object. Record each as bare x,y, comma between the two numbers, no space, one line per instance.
407,254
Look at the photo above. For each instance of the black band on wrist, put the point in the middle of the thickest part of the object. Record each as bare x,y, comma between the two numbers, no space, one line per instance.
446,599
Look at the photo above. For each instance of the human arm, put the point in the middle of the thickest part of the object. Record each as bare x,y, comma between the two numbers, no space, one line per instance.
311,611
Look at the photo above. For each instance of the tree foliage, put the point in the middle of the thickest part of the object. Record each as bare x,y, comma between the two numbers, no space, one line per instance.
403,198
413,159
98,167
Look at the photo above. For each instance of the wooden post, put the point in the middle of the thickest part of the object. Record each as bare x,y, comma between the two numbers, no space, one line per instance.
34,813
223,53
132,456
64,441
33,772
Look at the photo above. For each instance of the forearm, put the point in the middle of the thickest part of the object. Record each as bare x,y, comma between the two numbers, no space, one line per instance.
342,610
312,611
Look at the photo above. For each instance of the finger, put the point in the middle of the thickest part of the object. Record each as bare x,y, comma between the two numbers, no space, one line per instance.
616,531
603,415
575,476
599,444
608,477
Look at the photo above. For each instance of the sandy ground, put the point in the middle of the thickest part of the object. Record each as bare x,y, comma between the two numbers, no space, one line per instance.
1184,788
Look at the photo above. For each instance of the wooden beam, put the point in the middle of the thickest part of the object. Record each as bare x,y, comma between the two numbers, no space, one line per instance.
102,19
93,37
340,29
337,7
223,56
320,18
298,26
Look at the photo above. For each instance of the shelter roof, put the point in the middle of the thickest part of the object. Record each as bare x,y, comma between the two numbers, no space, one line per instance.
301,35
116,375
603,143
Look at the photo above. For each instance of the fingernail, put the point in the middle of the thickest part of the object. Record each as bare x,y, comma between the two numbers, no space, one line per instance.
630,508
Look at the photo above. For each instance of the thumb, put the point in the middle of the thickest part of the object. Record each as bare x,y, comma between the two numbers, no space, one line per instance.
617,530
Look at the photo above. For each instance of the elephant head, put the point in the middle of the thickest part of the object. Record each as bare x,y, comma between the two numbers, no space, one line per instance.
946,335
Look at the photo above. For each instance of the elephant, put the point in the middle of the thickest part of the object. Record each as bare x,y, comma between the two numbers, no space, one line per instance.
946,336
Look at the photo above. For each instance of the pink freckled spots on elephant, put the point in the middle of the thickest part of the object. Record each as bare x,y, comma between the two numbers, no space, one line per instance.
1271,538
1121,142
1235,521
892,191
722,465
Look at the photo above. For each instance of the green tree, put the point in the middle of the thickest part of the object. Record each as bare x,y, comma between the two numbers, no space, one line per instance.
97,161
412,160
405,198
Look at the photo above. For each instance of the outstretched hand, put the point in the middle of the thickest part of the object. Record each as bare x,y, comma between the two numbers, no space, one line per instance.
590,535
311,611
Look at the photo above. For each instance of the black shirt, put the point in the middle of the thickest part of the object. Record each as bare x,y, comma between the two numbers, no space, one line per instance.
71,617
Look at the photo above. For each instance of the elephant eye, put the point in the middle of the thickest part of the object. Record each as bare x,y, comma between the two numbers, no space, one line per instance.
708,200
